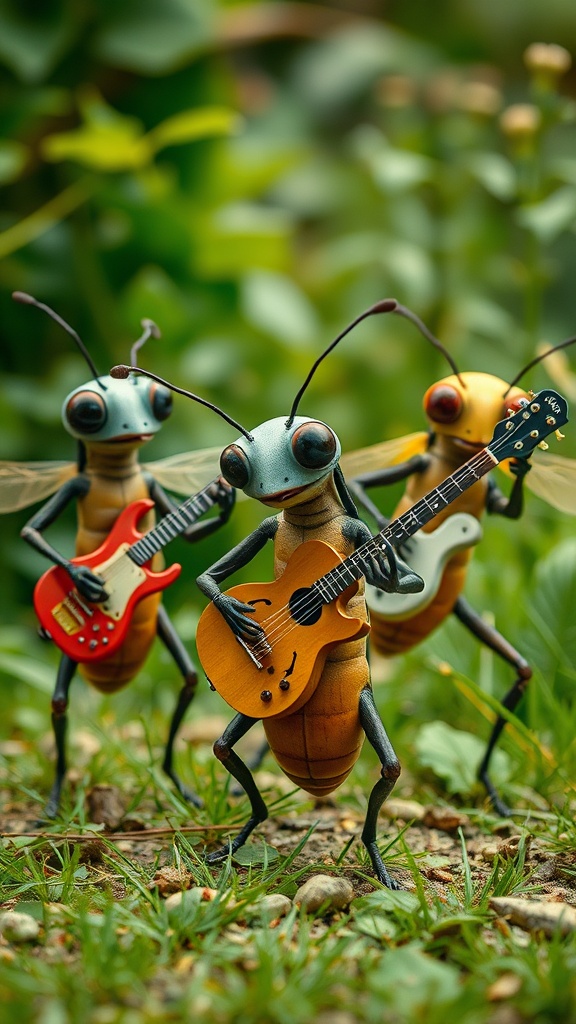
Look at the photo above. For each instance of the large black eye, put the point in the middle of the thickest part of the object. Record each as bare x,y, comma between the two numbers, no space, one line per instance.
314,445
443,403
161,401
234,466
86,412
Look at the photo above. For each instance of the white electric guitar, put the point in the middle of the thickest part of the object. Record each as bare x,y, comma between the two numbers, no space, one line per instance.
427,554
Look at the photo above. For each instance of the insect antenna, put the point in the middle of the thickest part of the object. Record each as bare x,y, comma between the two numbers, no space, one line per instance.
151,330
121,372
384,306
538,359
409,315
29,300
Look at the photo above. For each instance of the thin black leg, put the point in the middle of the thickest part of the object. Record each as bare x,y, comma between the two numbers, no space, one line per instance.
169,637
66,670
377,736
496,642
238,727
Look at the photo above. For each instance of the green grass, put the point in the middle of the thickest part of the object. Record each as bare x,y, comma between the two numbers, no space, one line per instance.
110,950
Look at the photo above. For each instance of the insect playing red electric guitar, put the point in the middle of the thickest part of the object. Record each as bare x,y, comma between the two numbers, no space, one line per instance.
110,420
91,630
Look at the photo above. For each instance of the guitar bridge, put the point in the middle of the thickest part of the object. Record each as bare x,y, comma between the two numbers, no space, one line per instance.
264,649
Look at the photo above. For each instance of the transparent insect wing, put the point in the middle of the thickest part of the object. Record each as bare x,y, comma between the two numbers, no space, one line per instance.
552,478
273,468
108,409
25,483
188,472
557,366
383,454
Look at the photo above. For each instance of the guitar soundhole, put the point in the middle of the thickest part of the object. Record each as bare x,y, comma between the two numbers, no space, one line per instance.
305,606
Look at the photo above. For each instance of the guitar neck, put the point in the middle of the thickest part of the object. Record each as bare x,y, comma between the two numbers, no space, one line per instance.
172,524
335,582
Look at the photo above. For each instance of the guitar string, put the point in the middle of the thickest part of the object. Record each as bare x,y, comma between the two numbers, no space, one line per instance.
308,601
279,620
119,565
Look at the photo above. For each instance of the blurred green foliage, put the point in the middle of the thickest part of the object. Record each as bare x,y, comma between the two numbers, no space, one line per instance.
252,176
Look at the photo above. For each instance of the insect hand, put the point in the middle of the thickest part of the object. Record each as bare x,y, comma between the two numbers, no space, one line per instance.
386,570
234,612
90,586
519,467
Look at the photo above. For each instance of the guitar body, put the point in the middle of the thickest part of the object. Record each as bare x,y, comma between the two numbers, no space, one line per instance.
89,632
276,679
427,554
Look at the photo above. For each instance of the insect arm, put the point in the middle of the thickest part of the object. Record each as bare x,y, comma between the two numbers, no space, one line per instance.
381,566
226,497
89,585
497,502
234,611
383,477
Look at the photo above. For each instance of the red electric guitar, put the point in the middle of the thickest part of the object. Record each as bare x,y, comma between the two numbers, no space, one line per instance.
86,631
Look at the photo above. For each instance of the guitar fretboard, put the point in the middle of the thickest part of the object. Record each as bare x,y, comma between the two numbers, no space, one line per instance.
172,524
335,582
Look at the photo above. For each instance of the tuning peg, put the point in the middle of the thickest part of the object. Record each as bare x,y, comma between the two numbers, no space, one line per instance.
543,446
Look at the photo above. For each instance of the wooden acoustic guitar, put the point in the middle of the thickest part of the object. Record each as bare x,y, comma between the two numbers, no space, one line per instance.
88,631
303,612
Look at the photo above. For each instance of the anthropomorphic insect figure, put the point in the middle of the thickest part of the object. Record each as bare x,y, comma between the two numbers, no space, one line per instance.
462,411
111,420
293,653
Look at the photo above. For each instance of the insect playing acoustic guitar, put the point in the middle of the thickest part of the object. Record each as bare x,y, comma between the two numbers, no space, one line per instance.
303,613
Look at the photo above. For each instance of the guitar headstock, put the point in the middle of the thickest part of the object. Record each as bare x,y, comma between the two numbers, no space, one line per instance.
517,436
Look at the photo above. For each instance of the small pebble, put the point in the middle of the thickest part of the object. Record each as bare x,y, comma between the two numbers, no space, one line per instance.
328,891
271,907
446,818
17,927
197,894
409,810
105,805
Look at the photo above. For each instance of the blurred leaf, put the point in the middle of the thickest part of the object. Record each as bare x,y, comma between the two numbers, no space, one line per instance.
552,216
398,170
495,173
189,125
454,756
240,236
111,141
31,45
107,141
29,670
551,604
152,38
276,305
13,157
409,981
350,60
256,853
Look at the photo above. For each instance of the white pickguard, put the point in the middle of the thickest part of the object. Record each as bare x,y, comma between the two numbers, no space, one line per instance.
121,577
426,554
